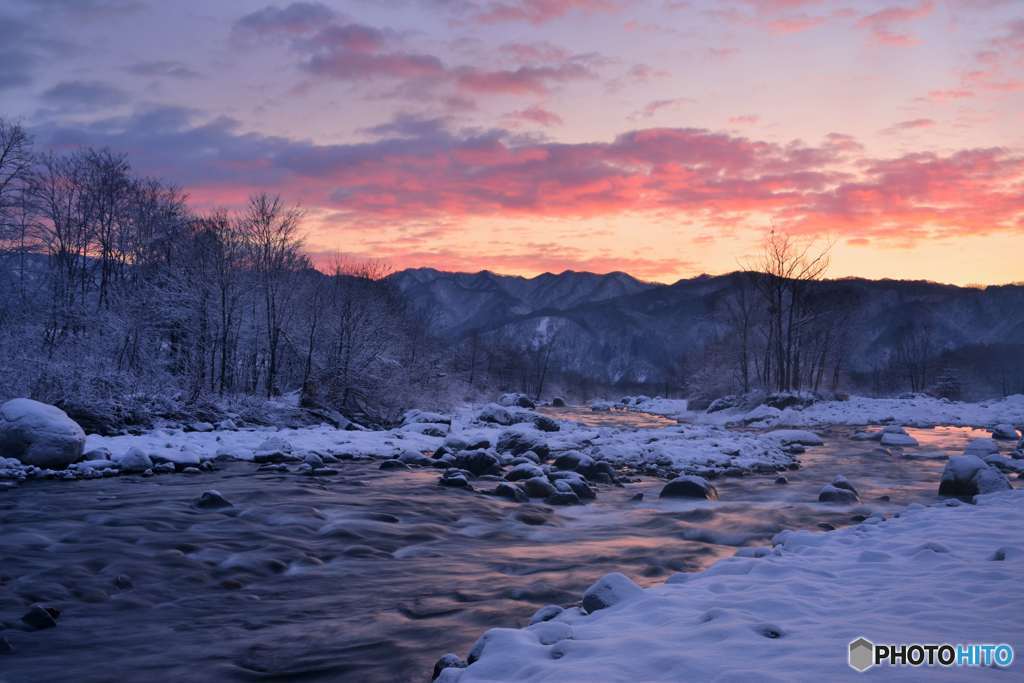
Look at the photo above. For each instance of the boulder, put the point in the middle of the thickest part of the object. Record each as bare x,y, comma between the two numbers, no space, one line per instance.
545,424
511,491
524,471
135,461
448,661
273,449
517,443
562,498
424,417
495,414
842,495
478,462
800,436
689,486
897,437
546,613
558,402
212,500
39,434
969,475
1006,432
610,589
456,479
538,487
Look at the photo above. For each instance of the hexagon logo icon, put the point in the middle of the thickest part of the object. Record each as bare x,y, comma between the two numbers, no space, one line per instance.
862,654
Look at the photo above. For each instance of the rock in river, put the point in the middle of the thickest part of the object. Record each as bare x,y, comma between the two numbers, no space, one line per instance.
39,434
688,486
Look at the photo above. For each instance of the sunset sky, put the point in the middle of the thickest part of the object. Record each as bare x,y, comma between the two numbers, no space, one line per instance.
659,137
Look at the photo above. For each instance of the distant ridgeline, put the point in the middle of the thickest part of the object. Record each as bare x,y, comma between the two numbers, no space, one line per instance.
882,337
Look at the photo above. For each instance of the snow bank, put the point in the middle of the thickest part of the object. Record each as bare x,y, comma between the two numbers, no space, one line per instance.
690,449
934,574
917,411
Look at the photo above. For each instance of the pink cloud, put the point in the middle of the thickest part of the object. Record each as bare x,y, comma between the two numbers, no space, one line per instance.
538,11
536,115
884,25
912,124
655,107
744,120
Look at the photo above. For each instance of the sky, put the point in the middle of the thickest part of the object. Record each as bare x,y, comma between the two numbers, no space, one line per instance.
663,138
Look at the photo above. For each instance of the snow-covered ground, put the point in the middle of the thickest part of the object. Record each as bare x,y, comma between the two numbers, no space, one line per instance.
695,449
919,411
946,573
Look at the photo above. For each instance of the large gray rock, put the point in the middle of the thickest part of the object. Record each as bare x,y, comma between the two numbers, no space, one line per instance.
39,434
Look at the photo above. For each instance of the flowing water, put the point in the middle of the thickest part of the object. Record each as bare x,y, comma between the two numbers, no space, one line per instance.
370,575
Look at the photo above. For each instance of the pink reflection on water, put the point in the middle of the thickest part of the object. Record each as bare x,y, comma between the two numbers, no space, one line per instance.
625,419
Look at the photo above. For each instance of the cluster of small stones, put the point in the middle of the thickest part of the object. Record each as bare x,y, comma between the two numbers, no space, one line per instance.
520,466
14,471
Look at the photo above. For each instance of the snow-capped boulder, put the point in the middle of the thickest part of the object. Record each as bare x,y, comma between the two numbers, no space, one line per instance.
516,401
495,414
894,435
689,486
723,403
601,406
517,442
969,475
546,424
478,462
762,413
273,449
799,436
839,491
135,460
546,613
416,416
611,589
1006,432
39,434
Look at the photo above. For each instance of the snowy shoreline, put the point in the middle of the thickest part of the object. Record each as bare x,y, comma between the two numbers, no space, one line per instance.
424,437
916,411
944,573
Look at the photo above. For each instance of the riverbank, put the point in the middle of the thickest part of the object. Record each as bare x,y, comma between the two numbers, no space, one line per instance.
945,573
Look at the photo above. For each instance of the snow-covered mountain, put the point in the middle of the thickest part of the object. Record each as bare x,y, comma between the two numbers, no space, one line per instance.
622,329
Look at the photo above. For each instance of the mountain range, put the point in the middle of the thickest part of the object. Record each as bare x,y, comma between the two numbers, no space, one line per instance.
616,328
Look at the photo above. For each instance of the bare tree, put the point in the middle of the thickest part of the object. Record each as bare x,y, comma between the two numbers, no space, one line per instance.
785,271
272,233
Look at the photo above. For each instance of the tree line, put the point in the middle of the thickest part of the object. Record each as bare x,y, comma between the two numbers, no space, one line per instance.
116,294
